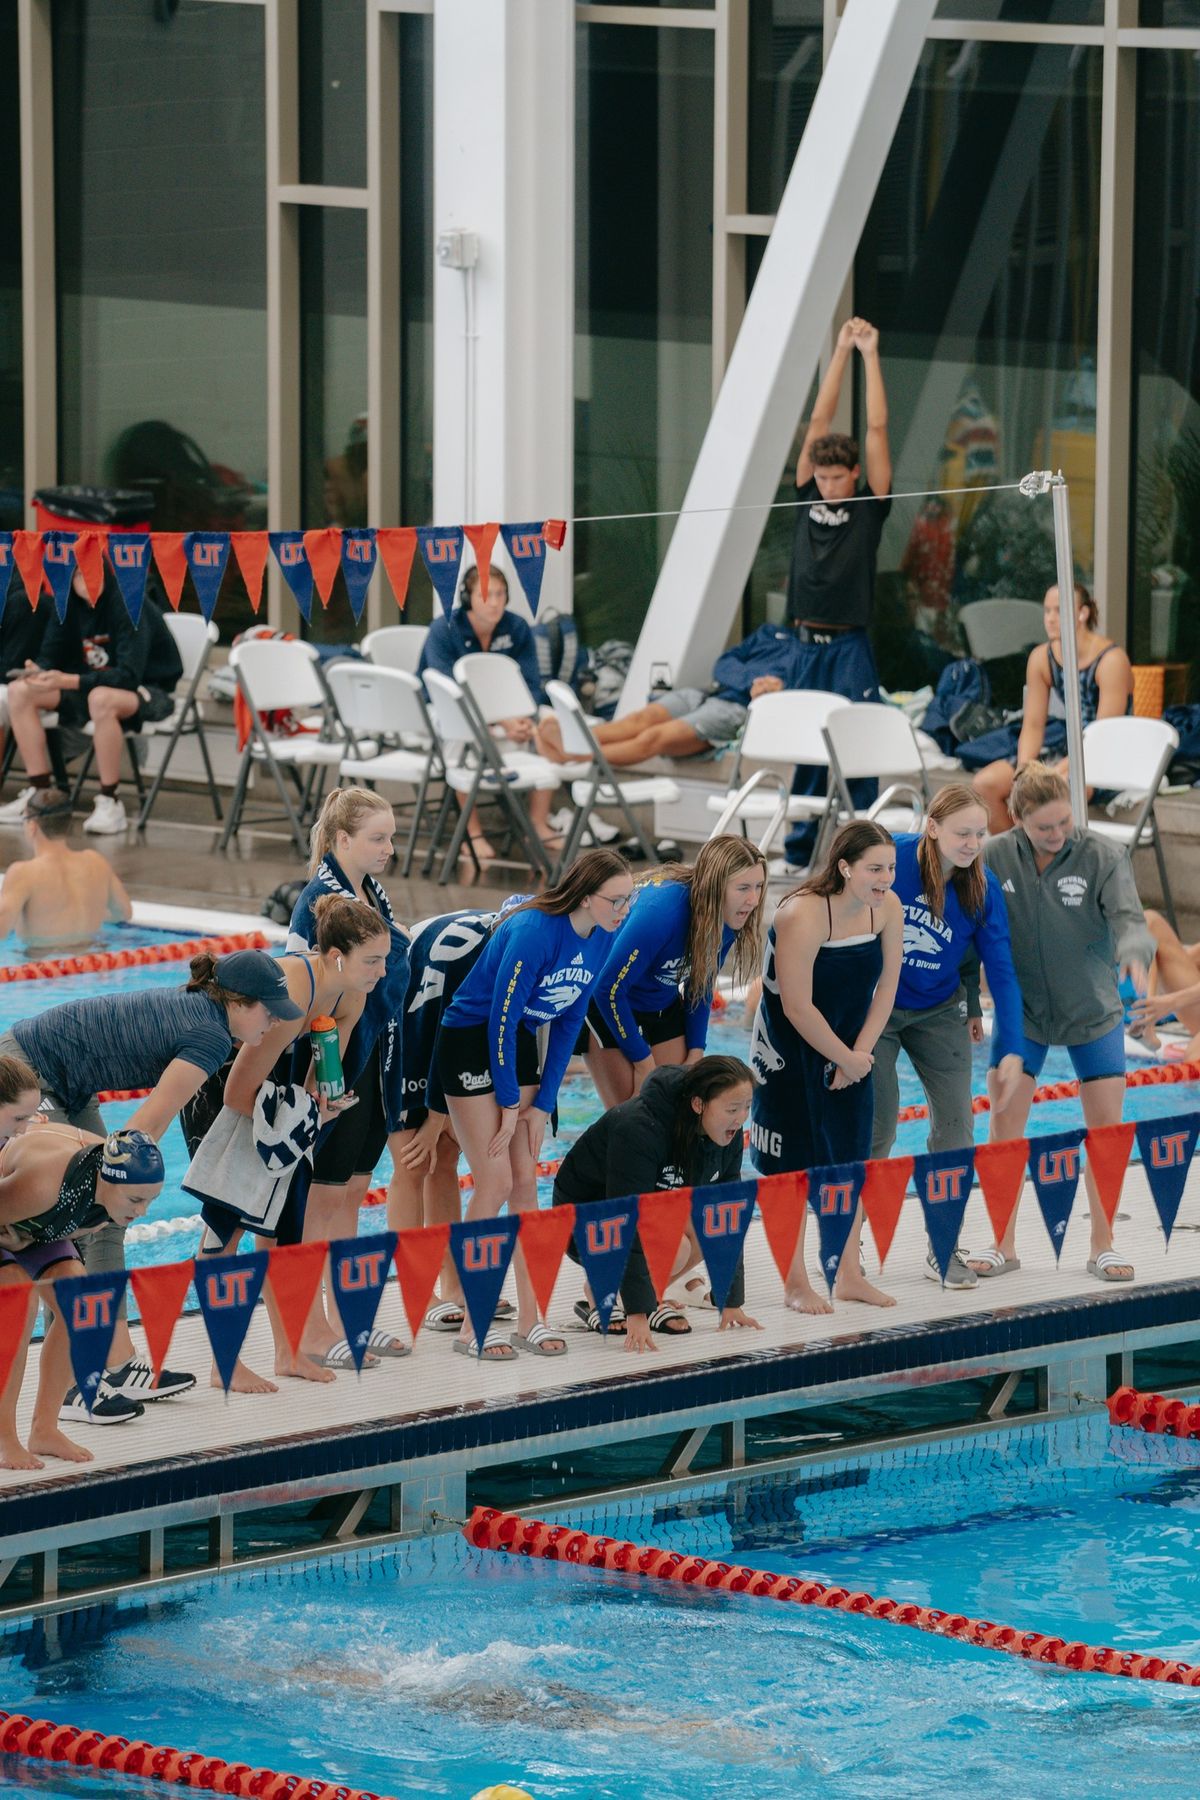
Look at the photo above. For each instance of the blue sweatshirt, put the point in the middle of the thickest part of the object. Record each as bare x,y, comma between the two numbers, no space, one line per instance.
642,970
534,970
450,638
771,650
934,949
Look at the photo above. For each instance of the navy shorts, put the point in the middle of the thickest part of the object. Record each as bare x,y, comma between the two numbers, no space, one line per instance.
1101,1060
655,1027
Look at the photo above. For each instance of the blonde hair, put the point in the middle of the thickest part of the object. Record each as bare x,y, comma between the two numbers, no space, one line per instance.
970,884
344,810
719,861
1036,785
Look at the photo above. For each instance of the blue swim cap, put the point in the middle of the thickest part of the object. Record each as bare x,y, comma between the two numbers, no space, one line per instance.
132,1158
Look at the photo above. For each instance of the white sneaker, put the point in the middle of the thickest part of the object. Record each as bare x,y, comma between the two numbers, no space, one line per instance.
13,813
107,816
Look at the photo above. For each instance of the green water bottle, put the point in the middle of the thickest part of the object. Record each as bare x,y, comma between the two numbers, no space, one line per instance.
327,1058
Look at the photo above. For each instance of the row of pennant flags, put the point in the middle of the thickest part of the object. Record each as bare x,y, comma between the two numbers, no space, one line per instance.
228,1288
310,561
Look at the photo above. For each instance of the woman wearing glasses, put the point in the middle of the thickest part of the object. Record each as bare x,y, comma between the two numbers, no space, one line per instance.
537,968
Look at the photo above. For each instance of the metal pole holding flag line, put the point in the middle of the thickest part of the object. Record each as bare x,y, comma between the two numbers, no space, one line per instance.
1041,481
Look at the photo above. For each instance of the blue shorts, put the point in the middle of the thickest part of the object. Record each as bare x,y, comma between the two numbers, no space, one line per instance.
1101,1060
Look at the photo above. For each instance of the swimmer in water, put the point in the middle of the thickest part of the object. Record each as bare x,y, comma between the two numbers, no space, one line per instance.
58,896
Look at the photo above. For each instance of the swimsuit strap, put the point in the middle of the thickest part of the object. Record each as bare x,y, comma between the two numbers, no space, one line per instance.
829,910
76,1206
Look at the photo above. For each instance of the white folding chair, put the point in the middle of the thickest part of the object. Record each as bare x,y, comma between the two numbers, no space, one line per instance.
995,628
285,675
593,780
194,638
496,685
867,740
781,730
385,716
1133,756
475,768
396,646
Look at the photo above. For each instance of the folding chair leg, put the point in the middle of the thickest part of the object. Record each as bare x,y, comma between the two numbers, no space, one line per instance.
202,740
136,766
459,834
238,801
439,826
418,813
85,768
1164,882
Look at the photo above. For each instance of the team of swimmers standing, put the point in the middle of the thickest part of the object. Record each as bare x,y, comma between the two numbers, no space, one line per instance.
455,1038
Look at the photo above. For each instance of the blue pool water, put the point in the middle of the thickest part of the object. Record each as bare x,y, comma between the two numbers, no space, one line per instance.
109,937
433,1669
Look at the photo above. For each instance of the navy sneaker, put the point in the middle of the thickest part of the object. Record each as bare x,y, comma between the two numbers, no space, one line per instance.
107,1408
134,1380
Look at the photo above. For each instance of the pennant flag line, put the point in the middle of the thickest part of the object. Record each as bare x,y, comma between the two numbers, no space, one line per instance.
89,560
942,1179
1108,1150
171,561
295,1272
358,1269
882,1197
662,1221
526,546
543,1239
207,554
1167,1147
397,546
129,553
359,555
89,1311
482,539
482,1250
17,1305
420,1252
7,565
720,1218
604,1234
58,565
227,1288
781,1203
441,552
833,1196
1054,1164
28,551
160,1293
292,558
1001,1171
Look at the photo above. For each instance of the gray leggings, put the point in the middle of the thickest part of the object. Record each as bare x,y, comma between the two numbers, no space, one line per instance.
940,1051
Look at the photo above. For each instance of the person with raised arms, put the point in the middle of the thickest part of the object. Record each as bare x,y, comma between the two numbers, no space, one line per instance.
829,985
537,968
954,913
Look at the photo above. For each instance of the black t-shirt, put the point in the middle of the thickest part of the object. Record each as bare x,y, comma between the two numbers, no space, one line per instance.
832,577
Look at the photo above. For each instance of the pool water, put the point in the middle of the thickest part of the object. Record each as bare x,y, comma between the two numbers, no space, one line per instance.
433,1669
108,938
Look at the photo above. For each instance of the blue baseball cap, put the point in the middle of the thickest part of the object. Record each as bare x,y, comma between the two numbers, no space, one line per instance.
253,975
132,1159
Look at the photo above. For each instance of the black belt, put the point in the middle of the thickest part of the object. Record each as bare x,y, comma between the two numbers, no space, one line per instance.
824,634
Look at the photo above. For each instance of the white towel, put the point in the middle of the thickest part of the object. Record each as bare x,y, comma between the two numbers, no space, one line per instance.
246,1165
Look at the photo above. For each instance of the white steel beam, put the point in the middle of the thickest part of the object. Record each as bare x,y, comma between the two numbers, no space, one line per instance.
807,260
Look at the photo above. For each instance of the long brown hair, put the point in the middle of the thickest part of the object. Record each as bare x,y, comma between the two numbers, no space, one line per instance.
585,877
707,878
970,885
850,845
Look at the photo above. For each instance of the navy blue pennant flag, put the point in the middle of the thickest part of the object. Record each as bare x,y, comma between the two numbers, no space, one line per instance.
130,552
227,1288
1167,1147
441,552
482,1250
292,558
1054,1166
6,567
833,1196
207,555
943,1183
604,1234
358,566
720,1217
358,1272
527,548
89,1304
59,564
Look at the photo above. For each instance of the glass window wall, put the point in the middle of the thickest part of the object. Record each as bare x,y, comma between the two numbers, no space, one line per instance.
416,296
333,92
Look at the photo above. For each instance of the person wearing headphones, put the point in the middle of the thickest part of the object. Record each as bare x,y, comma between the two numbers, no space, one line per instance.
481,621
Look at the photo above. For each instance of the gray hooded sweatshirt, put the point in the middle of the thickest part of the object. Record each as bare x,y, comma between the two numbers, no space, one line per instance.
1071,926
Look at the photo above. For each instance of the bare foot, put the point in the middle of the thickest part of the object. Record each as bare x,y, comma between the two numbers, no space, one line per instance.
302,1368
49,1441
807,1300
483,850
852,1284
548,741
244,1381
14,1455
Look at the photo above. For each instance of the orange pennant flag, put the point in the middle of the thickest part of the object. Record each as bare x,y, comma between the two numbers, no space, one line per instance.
544,1237
17,1306
482,539
662,1220
294,1271
781,1203
28,552
882,1197
554,533
324,551
1001,1171
89,560
397,545
420,1252
1108,1151
160,1294
251,549
172,563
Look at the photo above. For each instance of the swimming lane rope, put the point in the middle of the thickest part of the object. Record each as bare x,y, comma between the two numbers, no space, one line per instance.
1153,1413
22,1736
98,962
514,1536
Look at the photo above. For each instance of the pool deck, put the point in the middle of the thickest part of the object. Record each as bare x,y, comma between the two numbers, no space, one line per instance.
417,1426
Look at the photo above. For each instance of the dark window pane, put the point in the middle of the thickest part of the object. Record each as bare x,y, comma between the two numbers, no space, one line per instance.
1025,12
12,450
416,295
333,92
333,386
1165,534
785,67
159,179
643,249
1170,12
978,264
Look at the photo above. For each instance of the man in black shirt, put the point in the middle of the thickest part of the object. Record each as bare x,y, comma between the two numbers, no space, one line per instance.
831,582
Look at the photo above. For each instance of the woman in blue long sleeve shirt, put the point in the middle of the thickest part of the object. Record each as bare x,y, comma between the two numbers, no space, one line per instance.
537,968
953,911
653,996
